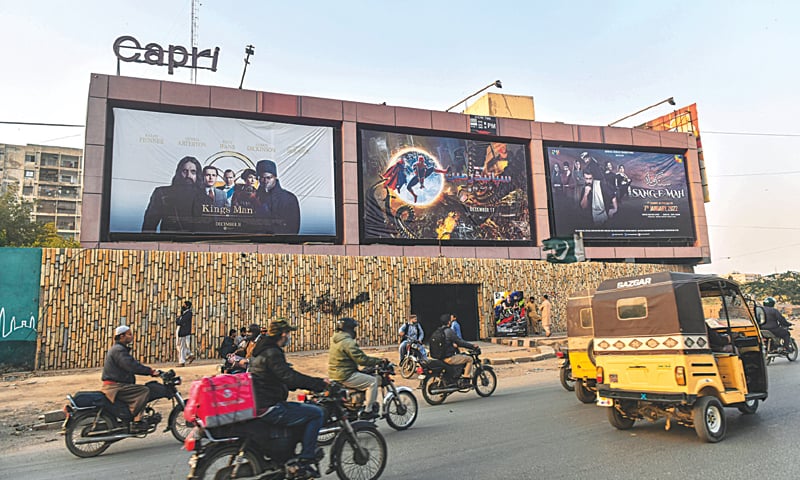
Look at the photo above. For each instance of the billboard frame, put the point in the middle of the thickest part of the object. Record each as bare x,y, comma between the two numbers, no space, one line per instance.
524,143
105,212
622,242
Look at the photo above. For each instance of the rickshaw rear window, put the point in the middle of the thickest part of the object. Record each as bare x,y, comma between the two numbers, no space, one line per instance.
632,308
586,318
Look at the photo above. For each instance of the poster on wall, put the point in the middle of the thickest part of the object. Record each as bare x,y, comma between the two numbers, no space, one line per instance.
510,317
19,307
419,189
612,194
176,174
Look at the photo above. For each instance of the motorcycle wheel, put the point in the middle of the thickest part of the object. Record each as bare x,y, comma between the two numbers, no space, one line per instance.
178,425
584,393
485,382
792,356
362,457
401,410
218,463
79,427
565,375
407,367
430,384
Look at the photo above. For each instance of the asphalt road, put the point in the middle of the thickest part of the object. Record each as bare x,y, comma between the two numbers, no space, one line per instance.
528,431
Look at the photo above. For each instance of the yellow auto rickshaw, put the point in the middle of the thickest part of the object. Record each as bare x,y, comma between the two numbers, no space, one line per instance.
580,332
678,346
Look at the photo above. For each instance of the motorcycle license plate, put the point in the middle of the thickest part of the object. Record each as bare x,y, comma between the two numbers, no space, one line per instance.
604,402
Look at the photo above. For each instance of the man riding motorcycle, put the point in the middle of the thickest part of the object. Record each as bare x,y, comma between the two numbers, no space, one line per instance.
119,376
450,354
776,323
273,377
344,358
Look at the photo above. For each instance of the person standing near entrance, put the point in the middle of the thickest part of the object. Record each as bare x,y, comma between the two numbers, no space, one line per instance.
547,312
533,316
455,325
184,334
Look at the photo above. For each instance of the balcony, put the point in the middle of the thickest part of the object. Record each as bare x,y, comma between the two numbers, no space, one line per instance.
70,161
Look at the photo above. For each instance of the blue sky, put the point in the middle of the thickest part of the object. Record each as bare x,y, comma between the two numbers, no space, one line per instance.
583,62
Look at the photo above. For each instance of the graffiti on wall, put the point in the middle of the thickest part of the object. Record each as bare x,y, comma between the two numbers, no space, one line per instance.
325,303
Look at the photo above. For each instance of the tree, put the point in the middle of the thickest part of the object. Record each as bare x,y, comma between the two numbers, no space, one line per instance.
18,229
784,287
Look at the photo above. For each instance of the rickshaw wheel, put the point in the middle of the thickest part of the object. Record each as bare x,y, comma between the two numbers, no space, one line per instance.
709,419
749,407
617,420
584,393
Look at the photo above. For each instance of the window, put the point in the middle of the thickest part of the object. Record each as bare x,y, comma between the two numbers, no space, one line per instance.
68,179
69,161
46,219
47,191
586,318
69,192
66,207
50,159
30,157
65,223
27,190
632,308
29,173
46,206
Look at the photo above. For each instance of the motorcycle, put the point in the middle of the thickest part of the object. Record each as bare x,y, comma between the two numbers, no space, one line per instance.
436,383
774,347
565,370
231,365
256,450
399,406
413,357
93,423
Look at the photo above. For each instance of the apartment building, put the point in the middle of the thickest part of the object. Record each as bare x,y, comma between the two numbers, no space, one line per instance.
51,177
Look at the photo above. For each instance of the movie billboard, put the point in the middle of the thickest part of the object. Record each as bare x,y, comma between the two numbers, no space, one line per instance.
419,189
610,194
190,175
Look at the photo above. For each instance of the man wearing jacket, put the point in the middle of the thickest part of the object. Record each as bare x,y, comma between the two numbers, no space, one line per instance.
776,323
184,334
273,377
452,341
344,358
119,376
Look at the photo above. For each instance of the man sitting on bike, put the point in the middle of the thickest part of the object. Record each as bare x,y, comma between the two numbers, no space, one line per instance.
273,377
411,332
119,377
776,323
449,354
344,358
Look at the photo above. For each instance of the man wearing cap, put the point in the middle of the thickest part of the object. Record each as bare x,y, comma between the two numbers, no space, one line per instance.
119,376
273,377
279,207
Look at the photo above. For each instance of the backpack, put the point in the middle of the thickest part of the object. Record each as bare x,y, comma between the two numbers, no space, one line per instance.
438,343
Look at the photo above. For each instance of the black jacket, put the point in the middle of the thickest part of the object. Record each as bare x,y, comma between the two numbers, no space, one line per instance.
280,209
171,208
273,377
121,367
185,322
450,338
774,320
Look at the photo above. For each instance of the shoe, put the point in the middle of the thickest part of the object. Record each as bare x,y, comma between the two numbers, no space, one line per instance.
370,414
306,469
190,359
138,427
464,382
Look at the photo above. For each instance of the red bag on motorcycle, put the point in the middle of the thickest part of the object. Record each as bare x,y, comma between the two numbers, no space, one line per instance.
221,399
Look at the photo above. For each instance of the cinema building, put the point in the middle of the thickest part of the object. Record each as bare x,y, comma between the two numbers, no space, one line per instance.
378,211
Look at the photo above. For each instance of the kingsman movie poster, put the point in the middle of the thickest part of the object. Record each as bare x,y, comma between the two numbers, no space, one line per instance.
180,174
422,189
619,194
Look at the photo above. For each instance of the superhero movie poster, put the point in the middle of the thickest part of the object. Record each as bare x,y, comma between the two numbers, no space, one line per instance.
618,194
429,189
190,175
510,317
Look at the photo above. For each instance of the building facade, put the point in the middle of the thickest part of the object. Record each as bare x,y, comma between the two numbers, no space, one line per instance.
49,176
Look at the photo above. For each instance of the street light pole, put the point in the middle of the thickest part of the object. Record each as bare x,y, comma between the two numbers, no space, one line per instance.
669,100
249,50
496,83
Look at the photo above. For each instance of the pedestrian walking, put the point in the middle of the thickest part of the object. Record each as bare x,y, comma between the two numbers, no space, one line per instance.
184,334
547,312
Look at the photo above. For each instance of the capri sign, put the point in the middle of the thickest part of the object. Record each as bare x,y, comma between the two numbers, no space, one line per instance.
129,49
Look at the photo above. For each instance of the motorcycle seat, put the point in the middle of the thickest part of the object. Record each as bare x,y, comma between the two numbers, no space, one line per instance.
435,365
91,399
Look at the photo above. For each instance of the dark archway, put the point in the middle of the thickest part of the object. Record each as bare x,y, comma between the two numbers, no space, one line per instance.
429,302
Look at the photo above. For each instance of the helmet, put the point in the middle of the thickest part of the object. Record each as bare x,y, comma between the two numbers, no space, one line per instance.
769,302
346,324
